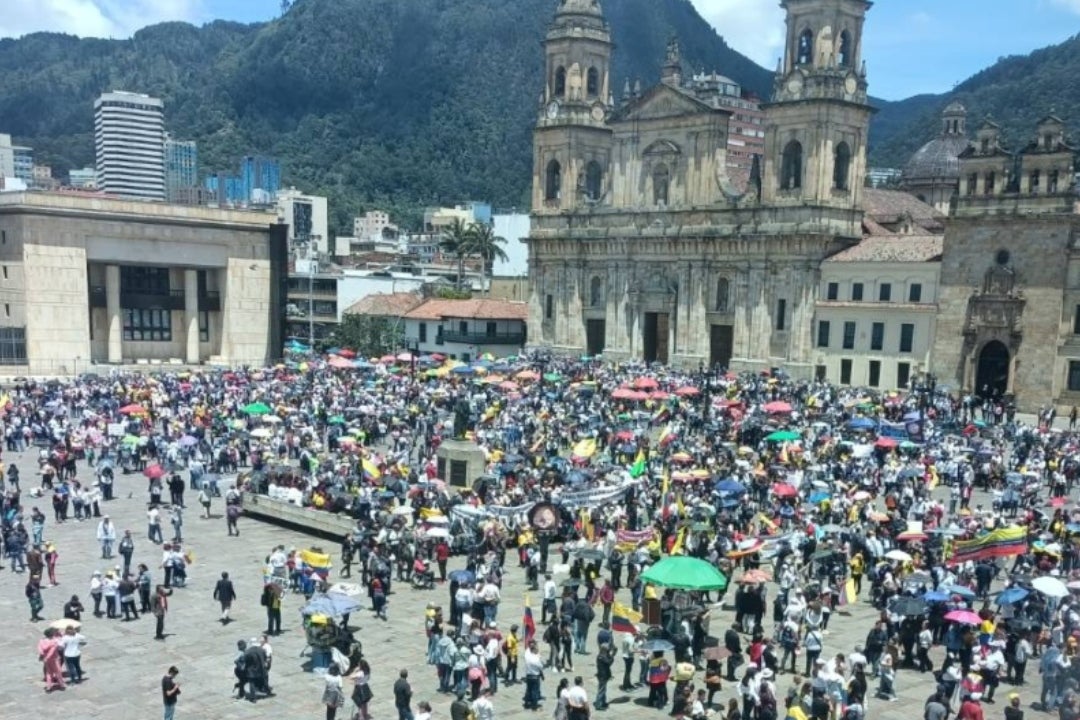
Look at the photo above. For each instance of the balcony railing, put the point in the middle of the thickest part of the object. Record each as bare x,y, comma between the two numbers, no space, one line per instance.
482,338
209,300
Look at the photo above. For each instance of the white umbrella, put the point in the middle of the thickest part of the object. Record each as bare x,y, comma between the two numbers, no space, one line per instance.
403,510
437,532
349,589
898,555
437,520
261,433
272,419
1049,586
65,623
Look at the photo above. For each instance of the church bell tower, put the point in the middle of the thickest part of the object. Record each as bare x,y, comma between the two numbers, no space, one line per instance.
818,119
571,142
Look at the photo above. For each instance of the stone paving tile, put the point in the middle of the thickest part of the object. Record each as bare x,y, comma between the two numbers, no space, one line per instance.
124,664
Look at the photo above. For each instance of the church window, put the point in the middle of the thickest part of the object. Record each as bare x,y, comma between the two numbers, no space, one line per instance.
841,166
805,49
722,292
1035,177
560,82
552,180
972,183
1052,183
844,56
596,292
988,188
781,314
791,167
1076,321
592,82
985,145
1074,376
594,180
549,307
1048,141
661,180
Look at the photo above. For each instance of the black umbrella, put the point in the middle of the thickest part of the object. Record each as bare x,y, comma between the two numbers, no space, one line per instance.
908,606
590,554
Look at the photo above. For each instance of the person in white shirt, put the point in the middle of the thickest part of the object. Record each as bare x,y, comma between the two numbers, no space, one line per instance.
490,596
577,700
551,594
482,707
71,643
925,640
153,525
533,665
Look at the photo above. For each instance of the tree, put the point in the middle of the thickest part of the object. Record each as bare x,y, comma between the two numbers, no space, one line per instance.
485,244
369,335
456,241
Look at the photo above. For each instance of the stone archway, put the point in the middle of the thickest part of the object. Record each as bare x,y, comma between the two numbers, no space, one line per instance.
992,369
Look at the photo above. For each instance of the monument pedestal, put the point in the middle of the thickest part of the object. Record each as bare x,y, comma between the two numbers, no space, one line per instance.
460,462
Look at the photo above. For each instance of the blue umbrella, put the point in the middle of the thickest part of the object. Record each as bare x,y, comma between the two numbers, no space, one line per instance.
463,577
362,365
333,604
730,487
575,477
462,370
1011,595
818,497
862,424
936,596
907,473
960,590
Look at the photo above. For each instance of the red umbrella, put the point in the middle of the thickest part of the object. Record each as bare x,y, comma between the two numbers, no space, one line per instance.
687,391
346,353
646,383
886,443
133,409
777,407
638,396
623,393
154,471
624,435
912,535
784,490
659,395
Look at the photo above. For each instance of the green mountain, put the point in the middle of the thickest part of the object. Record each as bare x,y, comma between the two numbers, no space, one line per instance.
398,103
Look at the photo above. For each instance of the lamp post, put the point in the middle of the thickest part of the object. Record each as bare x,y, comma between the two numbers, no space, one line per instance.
413,346
706,391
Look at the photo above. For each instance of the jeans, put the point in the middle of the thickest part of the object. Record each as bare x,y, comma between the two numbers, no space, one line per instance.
493,674
459,681
404,713
74,668
811,656
106,548
532,691
581,635
1048,696
600,702
38,531
153,532
170,712
490,611
627,681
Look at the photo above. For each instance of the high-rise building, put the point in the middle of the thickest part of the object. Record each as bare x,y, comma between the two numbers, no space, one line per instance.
129,143
24,163
86,178
7,157
260,173
181,168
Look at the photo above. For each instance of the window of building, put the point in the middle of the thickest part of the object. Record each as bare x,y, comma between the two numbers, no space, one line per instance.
914,293
877,336
549,307
560,82
1035,177
823,328
1074,376
849,335
843,57
12,346
988,188
592,83
845,371
144,280
722,291
885,292
805,50
972,183
856,291
491,329
423,332
147,325
791,166
841,166
821,373
984,145
3,237
781,314
7,310
439,340
553,180
204,326
594,181
596,292
907,337
903,374
875,373
832,291
1052,185
661,179
463,326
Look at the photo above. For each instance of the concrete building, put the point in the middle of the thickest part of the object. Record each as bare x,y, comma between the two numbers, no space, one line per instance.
7,157
641,245
85,179
374,224
933,172
43,178
181,169
306,216
312,308
746,131
876,310
129,145
436,220
466,329
260,177
87,280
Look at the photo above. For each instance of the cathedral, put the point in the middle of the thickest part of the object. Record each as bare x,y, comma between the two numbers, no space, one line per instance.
642,248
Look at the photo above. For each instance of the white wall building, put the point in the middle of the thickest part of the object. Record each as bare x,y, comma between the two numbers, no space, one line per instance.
129,145
875,315
306,217
7,157
86,178
466,329
515,228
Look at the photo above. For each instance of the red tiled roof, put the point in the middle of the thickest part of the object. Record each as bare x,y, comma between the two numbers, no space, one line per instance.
885,207
475,309
892,248
385,304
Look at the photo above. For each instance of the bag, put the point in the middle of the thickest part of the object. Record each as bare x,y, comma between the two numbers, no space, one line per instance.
475,673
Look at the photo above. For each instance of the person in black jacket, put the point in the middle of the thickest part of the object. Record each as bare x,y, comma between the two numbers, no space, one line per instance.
225,593
733,644
604,657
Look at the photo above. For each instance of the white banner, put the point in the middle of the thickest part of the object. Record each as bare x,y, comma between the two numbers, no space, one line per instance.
592,497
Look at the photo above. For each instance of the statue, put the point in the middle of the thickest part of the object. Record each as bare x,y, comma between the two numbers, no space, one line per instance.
461,419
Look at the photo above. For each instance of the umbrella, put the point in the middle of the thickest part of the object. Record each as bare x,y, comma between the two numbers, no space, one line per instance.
261,433
257,408
463,577
832,528
966,593
730,487
570,583
936,596
333,604
1050,586
912,535
64,624
819,496
1011,595
783,436
777,407
437,532
886,443
589,554
685,573
657,645
133,409
964,617
784,490
154,471
753,577
188,441
687,391
908,606
898,555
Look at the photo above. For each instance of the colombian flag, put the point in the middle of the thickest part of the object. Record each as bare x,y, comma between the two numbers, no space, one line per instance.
623,618
668,436
318,562
528,622
371,471
585,449
1003,542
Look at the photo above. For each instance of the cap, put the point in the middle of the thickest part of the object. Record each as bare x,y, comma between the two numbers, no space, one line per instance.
1014,696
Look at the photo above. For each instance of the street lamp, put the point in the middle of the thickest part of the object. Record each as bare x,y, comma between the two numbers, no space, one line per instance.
413,346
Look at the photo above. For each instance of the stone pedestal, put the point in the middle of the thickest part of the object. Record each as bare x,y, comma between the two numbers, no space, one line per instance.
460,462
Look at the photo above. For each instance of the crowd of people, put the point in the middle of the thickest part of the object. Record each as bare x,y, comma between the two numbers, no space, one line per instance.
804,497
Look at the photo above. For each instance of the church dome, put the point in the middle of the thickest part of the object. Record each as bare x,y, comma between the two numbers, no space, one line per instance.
939,159
579,7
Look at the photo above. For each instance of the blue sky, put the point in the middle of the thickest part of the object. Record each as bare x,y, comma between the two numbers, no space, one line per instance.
911,46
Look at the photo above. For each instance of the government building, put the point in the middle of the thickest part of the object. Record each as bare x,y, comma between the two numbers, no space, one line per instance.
89,280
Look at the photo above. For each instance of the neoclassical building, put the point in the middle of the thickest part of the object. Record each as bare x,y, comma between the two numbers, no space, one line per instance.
641,248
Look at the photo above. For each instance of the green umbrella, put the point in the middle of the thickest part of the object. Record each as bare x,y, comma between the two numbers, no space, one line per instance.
336,420
257,408
130,440
685,573
552,377
783,436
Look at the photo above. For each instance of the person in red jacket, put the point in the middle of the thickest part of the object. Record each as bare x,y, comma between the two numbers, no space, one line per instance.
442,554
970,709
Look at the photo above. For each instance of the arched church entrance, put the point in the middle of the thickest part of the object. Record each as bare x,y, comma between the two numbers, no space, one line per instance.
992,372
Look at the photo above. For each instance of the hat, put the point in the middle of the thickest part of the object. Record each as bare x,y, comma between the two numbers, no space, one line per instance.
478,649
1014,696
766,674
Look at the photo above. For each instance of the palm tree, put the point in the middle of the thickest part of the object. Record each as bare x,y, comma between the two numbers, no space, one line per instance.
485,244
456,241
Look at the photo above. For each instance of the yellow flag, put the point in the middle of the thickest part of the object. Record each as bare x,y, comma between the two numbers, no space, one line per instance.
767,522
585,448
680,540
586,525
679,505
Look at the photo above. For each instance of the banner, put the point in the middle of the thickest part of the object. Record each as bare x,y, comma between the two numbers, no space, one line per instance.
592,497
630,540
468,513
1004,542
896,431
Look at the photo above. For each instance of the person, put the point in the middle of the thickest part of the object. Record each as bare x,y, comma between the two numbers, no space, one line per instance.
232,516
153,526
240,671
970,709
73,609
577,701
425,711
71,642
204,500
605,656
925,640
460,709
271,600
143,581
534,674
126,589
33,597
886,688
170,692
333,696
361,694
224,593
127,549
106,535
1012,710
403,696
51,655
159,607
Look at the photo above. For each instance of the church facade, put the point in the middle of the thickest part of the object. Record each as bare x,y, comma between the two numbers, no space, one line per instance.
641,248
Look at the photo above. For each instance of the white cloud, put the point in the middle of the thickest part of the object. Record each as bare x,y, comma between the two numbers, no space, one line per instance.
93,18
753,27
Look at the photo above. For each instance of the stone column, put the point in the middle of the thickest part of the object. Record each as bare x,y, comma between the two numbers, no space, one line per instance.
112,311
191,315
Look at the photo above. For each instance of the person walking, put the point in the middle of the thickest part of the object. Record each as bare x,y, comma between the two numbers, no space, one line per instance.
51,656
71,642
225,593
126,548
402,696
33,597
333,696
271,600
160,607
106,535
232,515
170,692
153,526
361,693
